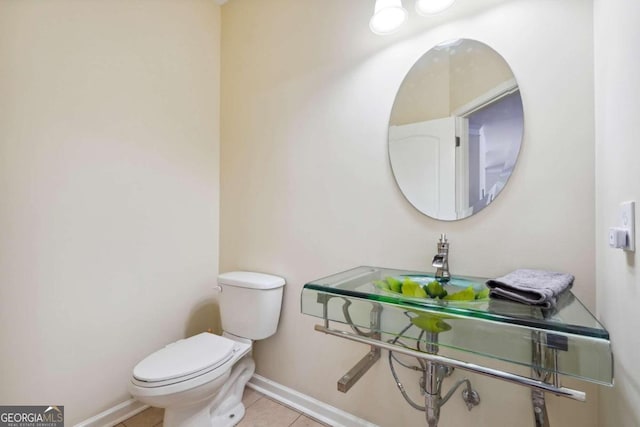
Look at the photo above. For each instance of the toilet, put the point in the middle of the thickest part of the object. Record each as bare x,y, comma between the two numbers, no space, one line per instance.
199,380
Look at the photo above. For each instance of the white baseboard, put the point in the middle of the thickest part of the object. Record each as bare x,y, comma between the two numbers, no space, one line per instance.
300,402
115,415
306,404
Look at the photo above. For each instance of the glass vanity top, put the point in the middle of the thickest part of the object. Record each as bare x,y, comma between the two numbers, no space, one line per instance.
477,324
571,315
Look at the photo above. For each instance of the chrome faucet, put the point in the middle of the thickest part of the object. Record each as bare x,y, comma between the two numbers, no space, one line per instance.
441,260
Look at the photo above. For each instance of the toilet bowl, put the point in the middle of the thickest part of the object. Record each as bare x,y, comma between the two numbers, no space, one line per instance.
183,380
200,380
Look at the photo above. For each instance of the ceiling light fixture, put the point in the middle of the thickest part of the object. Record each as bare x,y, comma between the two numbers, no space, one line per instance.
429,7
388,16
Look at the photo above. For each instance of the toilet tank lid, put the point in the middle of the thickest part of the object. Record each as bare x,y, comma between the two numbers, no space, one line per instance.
248,279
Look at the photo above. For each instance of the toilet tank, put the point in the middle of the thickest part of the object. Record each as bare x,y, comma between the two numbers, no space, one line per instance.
250,303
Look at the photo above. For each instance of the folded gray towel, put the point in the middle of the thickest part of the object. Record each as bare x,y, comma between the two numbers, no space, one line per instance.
534,287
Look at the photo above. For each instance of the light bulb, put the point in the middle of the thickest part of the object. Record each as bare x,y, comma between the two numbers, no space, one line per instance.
429,7
387,17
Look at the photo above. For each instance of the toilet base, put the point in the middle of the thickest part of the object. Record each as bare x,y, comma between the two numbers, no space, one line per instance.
230,418
226,408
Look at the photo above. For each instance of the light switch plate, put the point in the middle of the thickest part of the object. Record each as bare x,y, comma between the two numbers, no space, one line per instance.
627,221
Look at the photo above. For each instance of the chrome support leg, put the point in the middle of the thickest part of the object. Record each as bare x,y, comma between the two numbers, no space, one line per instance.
540,415
545,368
359,369
350,378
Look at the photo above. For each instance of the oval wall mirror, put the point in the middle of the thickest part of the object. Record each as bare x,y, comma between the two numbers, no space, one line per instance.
455,130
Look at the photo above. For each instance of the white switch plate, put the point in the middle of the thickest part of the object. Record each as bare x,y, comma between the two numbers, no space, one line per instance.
627,221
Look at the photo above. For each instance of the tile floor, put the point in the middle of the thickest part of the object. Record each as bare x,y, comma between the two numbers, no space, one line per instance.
261,412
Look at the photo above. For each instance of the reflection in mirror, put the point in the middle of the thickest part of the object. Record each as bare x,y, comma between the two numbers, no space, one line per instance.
455,130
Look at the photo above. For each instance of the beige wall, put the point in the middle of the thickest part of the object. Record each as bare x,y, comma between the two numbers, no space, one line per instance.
109,140
617,67
307,191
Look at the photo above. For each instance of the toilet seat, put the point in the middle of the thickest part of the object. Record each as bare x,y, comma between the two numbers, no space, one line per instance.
203,354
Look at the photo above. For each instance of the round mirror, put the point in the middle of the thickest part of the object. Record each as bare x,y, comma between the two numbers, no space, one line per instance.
455,129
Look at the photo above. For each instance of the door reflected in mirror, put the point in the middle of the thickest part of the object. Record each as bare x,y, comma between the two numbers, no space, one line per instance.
456,129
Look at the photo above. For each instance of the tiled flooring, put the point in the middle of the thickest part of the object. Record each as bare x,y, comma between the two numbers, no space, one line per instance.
261,412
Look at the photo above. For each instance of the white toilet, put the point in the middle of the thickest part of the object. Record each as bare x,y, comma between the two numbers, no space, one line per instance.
200,380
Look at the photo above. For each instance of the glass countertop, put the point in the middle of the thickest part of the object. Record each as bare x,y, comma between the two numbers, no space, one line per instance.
498,329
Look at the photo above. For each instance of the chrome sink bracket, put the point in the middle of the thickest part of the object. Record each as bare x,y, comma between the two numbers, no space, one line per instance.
359,369
544,354
324,300
467,366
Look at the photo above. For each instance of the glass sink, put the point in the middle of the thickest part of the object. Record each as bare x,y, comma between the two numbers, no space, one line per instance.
492,328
